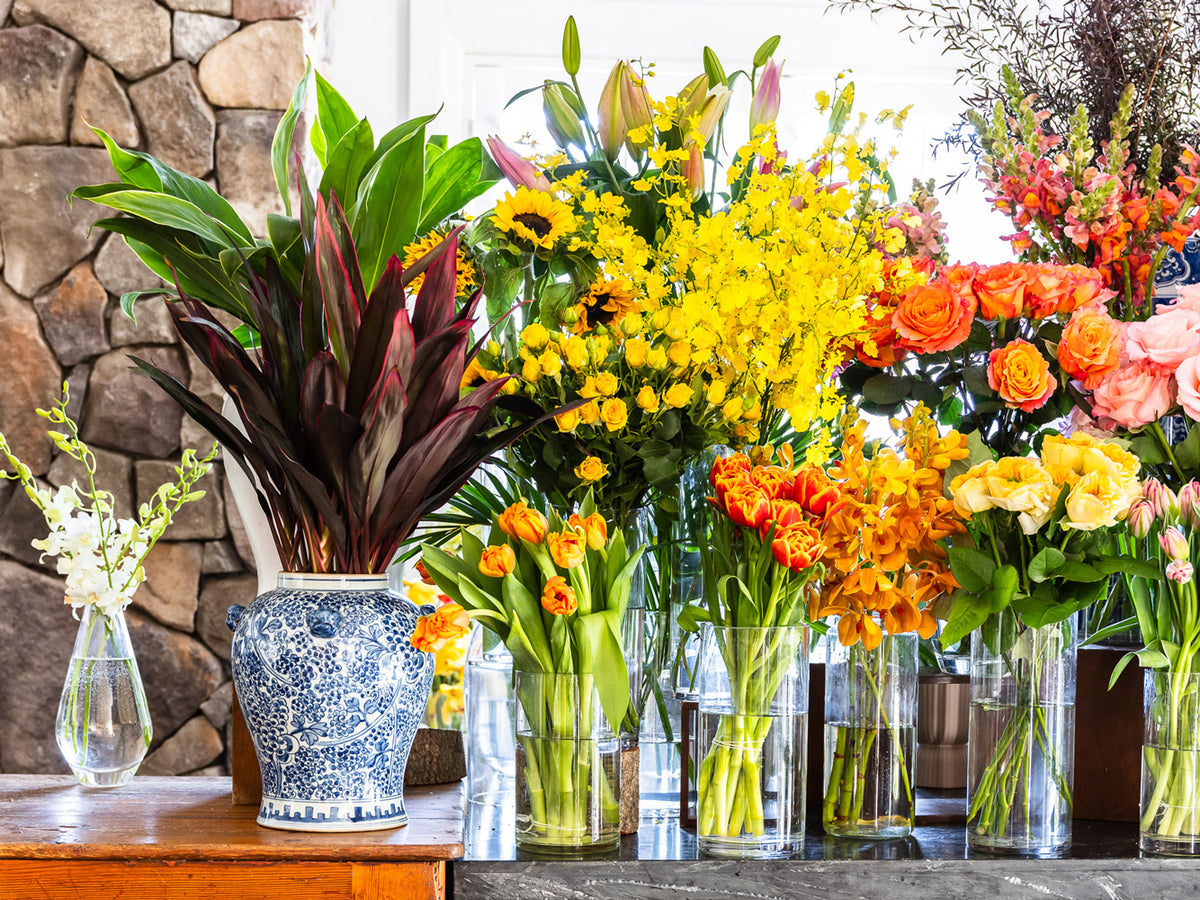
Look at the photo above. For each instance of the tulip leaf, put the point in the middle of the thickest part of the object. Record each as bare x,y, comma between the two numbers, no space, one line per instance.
1130,566
600,655
384,220
527,615
281,143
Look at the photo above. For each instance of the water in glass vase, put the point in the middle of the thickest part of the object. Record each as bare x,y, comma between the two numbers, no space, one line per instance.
868,790
751,784
1170,800
1021,765
568,801
103,728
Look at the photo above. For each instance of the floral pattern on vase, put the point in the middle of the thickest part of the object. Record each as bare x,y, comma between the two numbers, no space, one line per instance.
333,693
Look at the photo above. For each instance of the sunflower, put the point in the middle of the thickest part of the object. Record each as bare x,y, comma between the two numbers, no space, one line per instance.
465,282
605,303
533,219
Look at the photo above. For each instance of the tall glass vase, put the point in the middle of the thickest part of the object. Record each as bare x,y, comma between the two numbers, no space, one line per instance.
753,741
103,727
1021,749
568,764
870,738
1170,819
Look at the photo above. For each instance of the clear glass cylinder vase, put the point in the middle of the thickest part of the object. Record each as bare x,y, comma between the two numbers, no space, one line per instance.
752,741
1021,745
1170,807
870,738
103,727
568,766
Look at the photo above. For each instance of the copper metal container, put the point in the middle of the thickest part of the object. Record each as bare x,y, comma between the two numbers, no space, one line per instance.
943,706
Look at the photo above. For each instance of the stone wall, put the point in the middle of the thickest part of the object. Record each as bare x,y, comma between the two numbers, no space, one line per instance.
201,84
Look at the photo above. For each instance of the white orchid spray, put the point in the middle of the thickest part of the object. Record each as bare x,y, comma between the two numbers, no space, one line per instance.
100,555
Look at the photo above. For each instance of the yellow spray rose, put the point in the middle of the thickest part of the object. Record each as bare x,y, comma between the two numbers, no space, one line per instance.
591,469
607,384
589,413
716,394
647,399
550,363
535,336
635,352
732,409
575,351
614,414
657,358
678,395
680,353
531,371
569,420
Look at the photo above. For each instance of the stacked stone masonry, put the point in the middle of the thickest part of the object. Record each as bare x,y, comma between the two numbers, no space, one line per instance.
201,84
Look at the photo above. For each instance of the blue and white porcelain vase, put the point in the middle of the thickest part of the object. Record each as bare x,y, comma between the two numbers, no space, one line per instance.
332,691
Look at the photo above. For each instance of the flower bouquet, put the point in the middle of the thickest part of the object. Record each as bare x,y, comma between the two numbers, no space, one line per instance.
885,567
766,549
103,727
1042,530
555,592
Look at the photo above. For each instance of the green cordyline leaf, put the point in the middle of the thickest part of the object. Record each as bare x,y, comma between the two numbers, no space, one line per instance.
281,143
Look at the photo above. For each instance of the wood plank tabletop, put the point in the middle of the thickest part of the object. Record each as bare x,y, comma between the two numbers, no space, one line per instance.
181,818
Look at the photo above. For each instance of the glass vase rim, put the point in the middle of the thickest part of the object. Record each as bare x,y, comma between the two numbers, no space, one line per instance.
748,628
331,581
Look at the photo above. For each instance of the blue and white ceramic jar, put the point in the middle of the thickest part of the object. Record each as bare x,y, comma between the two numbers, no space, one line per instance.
332,691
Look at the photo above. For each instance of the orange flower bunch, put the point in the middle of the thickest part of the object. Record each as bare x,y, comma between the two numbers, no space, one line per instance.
884,559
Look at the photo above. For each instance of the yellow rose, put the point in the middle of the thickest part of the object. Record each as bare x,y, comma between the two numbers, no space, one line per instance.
1023,486
678,395
509,386
535,336
575,351
635,352
753,413
732,409
589,413
550,363
647,399
1096,501
716,393
680,353
531,371
970,495
569,420
591,469
614,414
598,347
632,324
657,358
607,384
589,389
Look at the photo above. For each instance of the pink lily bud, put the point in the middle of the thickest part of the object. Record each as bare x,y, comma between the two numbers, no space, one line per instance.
563,112
1162,499
519,171
635,105
1189,504
693,169
1173,543
765,105
691,98
711,112
1180,571
611,119
1140,518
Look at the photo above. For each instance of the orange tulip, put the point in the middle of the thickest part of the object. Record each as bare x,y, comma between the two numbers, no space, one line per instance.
747,504
558,598
772,479
728,468
520,521
567,549
496,562
814,491
593,528
437,629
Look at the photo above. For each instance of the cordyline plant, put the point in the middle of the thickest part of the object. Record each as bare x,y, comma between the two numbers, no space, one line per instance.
352,421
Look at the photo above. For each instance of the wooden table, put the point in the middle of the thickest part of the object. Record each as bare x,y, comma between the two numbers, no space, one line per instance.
182,839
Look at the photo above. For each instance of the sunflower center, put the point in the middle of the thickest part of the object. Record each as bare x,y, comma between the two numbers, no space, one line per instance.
539,225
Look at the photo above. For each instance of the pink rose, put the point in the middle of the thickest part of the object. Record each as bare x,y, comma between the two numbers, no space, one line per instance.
1188,298
1133,396
1166,339
1188,378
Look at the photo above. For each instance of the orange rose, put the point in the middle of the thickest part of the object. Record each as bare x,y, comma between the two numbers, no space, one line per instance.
593,528
933,317
1001,290
1087,290
1050,288
772,479
1090,348
1020,375
814,491
496,562
747,504
436,630
568,549
520,521
961,277
558,598
797,546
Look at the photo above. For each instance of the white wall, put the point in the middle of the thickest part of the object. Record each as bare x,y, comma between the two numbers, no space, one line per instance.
395,58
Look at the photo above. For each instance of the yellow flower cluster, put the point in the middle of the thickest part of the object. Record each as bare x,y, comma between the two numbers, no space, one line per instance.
467,279
1101,480
885,563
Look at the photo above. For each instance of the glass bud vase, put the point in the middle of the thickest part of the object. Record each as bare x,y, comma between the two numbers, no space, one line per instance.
752,741
103,726
870,738
1021,744
1170,810
568,766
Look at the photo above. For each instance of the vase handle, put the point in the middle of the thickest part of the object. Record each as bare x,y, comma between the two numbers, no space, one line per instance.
323,623
234,616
